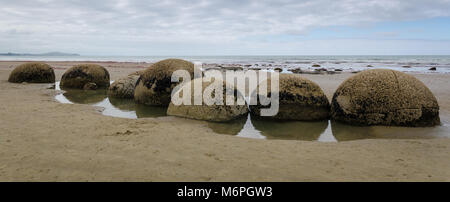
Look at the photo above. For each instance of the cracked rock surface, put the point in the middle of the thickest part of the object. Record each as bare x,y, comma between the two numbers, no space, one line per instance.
210,111
124,87
299,99
385,97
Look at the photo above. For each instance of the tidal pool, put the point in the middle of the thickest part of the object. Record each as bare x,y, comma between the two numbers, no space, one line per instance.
253,127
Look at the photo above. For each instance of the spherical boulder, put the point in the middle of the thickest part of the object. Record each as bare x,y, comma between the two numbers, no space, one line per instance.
154,86
78,76
214,110
299,99
34,72
384,97
123,87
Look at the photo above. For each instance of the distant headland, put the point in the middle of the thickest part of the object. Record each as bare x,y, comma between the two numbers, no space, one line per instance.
40,54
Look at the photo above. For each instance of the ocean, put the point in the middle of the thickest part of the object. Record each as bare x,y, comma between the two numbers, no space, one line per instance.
409,63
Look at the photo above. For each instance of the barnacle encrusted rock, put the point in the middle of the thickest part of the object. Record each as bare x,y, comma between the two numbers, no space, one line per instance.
34,72
299,99
212,112
124,87
154,86
79,75
385,97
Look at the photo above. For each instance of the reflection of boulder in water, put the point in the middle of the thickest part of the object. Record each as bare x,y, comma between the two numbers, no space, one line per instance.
143,111
232,127
122,104
85,96
345,132
293,130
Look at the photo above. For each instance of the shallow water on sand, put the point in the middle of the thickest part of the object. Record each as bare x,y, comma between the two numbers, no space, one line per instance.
251,127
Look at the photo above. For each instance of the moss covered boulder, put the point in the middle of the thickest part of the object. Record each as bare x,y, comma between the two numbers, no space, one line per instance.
124,87
154,86
213,112
384,97
32,73
79,76
299,99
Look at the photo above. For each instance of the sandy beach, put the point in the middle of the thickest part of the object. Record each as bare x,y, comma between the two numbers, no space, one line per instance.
43,140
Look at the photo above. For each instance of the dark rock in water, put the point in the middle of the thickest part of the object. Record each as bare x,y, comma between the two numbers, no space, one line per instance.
338,70
315,65
32,73
154,86
124,87
90,86
278,69
213,68
355,72
385,97
432,69
406,66
79,75
333,72
213,112
247,65
369,66
296,71
299,99
322,69
233,68
311,72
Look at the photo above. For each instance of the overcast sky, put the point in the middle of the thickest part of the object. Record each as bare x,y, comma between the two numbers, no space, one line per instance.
226,27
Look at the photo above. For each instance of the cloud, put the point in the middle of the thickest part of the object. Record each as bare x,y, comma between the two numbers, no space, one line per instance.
150,26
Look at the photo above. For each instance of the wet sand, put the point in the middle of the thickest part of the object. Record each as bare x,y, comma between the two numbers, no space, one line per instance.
43,140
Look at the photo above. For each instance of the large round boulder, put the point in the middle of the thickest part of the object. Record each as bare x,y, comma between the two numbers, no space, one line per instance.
123,87
384,97
154,87
299,99
217,110
84,76
34,72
